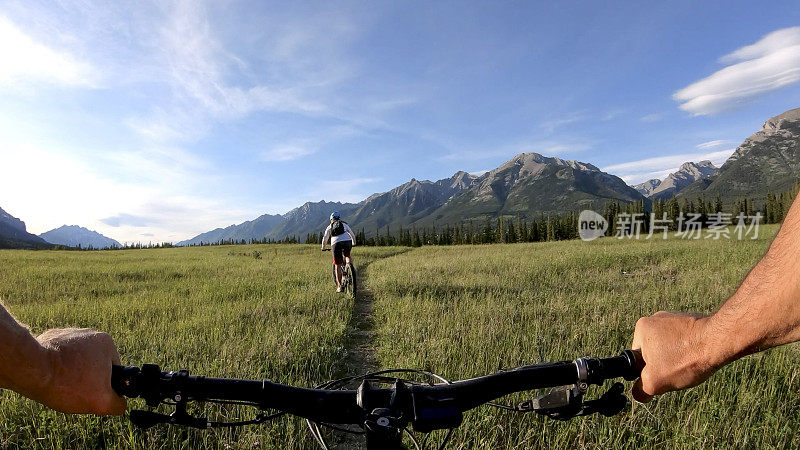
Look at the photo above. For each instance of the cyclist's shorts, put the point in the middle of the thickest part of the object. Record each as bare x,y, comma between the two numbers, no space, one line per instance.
340,250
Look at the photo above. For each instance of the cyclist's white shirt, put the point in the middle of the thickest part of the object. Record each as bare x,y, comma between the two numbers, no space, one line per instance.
348,235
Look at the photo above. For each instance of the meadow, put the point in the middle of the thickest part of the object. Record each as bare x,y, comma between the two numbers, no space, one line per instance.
256,311
270,311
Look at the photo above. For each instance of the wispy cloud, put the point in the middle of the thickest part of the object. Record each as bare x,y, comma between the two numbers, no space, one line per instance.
286,152
132,193
289,150
551,125
126,219
24,61
713,144
565,120
659,167
200,71
545,147
650,118
765,66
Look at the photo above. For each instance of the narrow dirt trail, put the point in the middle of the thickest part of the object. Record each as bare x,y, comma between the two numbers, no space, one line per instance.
359,342
360,346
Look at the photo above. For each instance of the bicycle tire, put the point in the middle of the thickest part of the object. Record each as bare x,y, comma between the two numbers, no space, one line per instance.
352,287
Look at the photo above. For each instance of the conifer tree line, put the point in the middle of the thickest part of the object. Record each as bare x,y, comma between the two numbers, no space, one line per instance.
510,229
773,209
502,230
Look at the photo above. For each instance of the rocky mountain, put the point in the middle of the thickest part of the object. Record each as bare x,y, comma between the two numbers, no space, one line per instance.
647,187
688,173
531,184
11,221
13,234
74,236
252,229
408,202
766,162
312,217
398,207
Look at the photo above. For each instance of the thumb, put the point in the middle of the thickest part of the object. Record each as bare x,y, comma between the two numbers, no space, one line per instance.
638,392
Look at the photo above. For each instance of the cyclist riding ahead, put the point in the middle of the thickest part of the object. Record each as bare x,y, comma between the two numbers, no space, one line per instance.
342,239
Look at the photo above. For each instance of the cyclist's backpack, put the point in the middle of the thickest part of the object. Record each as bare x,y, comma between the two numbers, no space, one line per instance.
337,228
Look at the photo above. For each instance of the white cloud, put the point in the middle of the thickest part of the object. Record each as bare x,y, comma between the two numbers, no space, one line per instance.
650,118
143,196
24,61
308,145
286,152
713,144
770,64
545,147
634,172
771,43
48,189
564,120
302,63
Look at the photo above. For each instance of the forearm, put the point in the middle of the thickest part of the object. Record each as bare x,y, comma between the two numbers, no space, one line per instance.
326,237
25,365
765,310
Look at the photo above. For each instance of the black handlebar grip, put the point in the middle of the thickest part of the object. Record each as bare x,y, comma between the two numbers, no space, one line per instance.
635,362
123,380
627,365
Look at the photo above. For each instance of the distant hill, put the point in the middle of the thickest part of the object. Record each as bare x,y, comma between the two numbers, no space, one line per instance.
531,184
688,173
252,229
766,162
647,187
310,218
408,202
75,236
13,234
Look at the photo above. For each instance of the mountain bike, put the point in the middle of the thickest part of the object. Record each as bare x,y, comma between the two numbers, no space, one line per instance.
349,283
384,405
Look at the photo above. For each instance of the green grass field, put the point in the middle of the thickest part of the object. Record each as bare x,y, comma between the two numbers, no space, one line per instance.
270,311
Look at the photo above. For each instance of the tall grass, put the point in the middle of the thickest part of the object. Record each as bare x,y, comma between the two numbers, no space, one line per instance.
269,311
253,311
469,310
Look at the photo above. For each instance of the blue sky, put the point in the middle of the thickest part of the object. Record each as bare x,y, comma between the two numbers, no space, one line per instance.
155,121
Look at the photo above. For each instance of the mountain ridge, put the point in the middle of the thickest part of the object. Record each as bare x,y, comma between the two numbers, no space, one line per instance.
766,162
14,234
502,191
247,230
77,236
647,187
688,173
530,184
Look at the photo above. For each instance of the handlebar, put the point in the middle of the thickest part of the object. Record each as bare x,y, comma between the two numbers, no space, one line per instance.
426,407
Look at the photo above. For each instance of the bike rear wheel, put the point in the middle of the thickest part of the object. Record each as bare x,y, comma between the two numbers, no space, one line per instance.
350,273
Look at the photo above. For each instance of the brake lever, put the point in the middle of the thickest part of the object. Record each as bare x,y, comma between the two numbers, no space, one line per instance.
147,419
609,404
566,402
